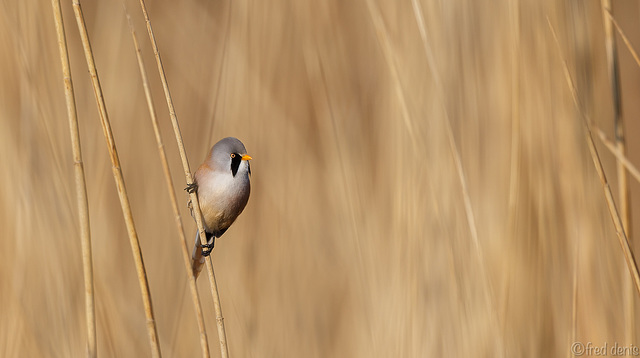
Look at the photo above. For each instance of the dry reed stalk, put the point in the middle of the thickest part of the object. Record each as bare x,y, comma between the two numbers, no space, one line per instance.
613,211
172,195
431,63
514,167
624,38
222,336
81,185
619,156
120,185
383,40
514,173
623,185
574,300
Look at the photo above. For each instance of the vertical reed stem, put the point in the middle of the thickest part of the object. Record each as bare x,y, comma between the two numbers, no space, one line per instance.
172,195
619,156
122,192
222,336
627,252
457,160
81,185
623,187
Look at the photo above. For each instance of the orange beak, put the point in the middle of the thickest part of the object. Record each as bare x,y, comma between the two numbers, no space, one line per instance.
246,157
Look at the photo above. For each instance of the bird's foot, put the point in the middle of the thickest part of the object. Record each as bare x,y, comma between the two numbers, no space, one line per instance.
191,188
206,249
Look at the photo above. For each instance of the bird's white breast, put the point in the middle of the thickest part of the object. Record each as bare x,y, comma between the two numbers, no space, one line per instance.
222,196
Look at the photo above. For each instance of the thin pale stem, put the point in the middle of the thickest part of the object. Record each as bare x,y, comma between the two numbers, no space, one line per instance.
514,167
635,173
172,195
120,186
574,300
624,194
387,51
81,185
613,211
222,336
626,41
471,223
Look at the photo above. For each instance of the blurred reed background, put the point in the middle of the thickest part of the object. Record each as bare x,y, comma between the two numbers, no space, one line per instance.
355,242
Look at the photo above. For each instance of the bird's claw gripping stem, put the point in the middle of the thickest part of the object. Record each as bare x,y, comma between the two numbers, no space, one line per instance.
208,247
191,188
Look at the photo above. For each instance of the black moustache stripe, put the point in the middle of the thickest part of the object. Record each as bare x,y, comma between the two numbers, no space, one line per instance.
235,163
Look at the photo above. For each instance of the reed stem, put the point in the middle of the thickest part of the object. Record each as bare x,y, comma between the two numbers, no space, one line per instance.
611,205
222,336
120,186
172,195
81,185
624,194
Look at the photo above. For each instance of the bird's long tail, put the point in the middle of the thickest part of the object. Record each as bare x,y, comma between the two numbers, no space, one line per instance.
197,260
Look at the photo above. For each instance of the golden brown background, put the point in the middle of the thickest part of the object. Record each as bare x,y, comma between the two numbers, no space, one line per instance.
355,242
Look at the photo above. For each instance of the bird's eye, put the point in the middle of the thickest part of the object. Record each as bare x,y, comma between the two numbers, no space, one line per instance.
233,155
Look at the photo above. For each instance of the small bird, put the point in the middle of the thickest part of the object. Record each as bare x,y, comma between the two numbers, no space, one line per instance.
223,187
